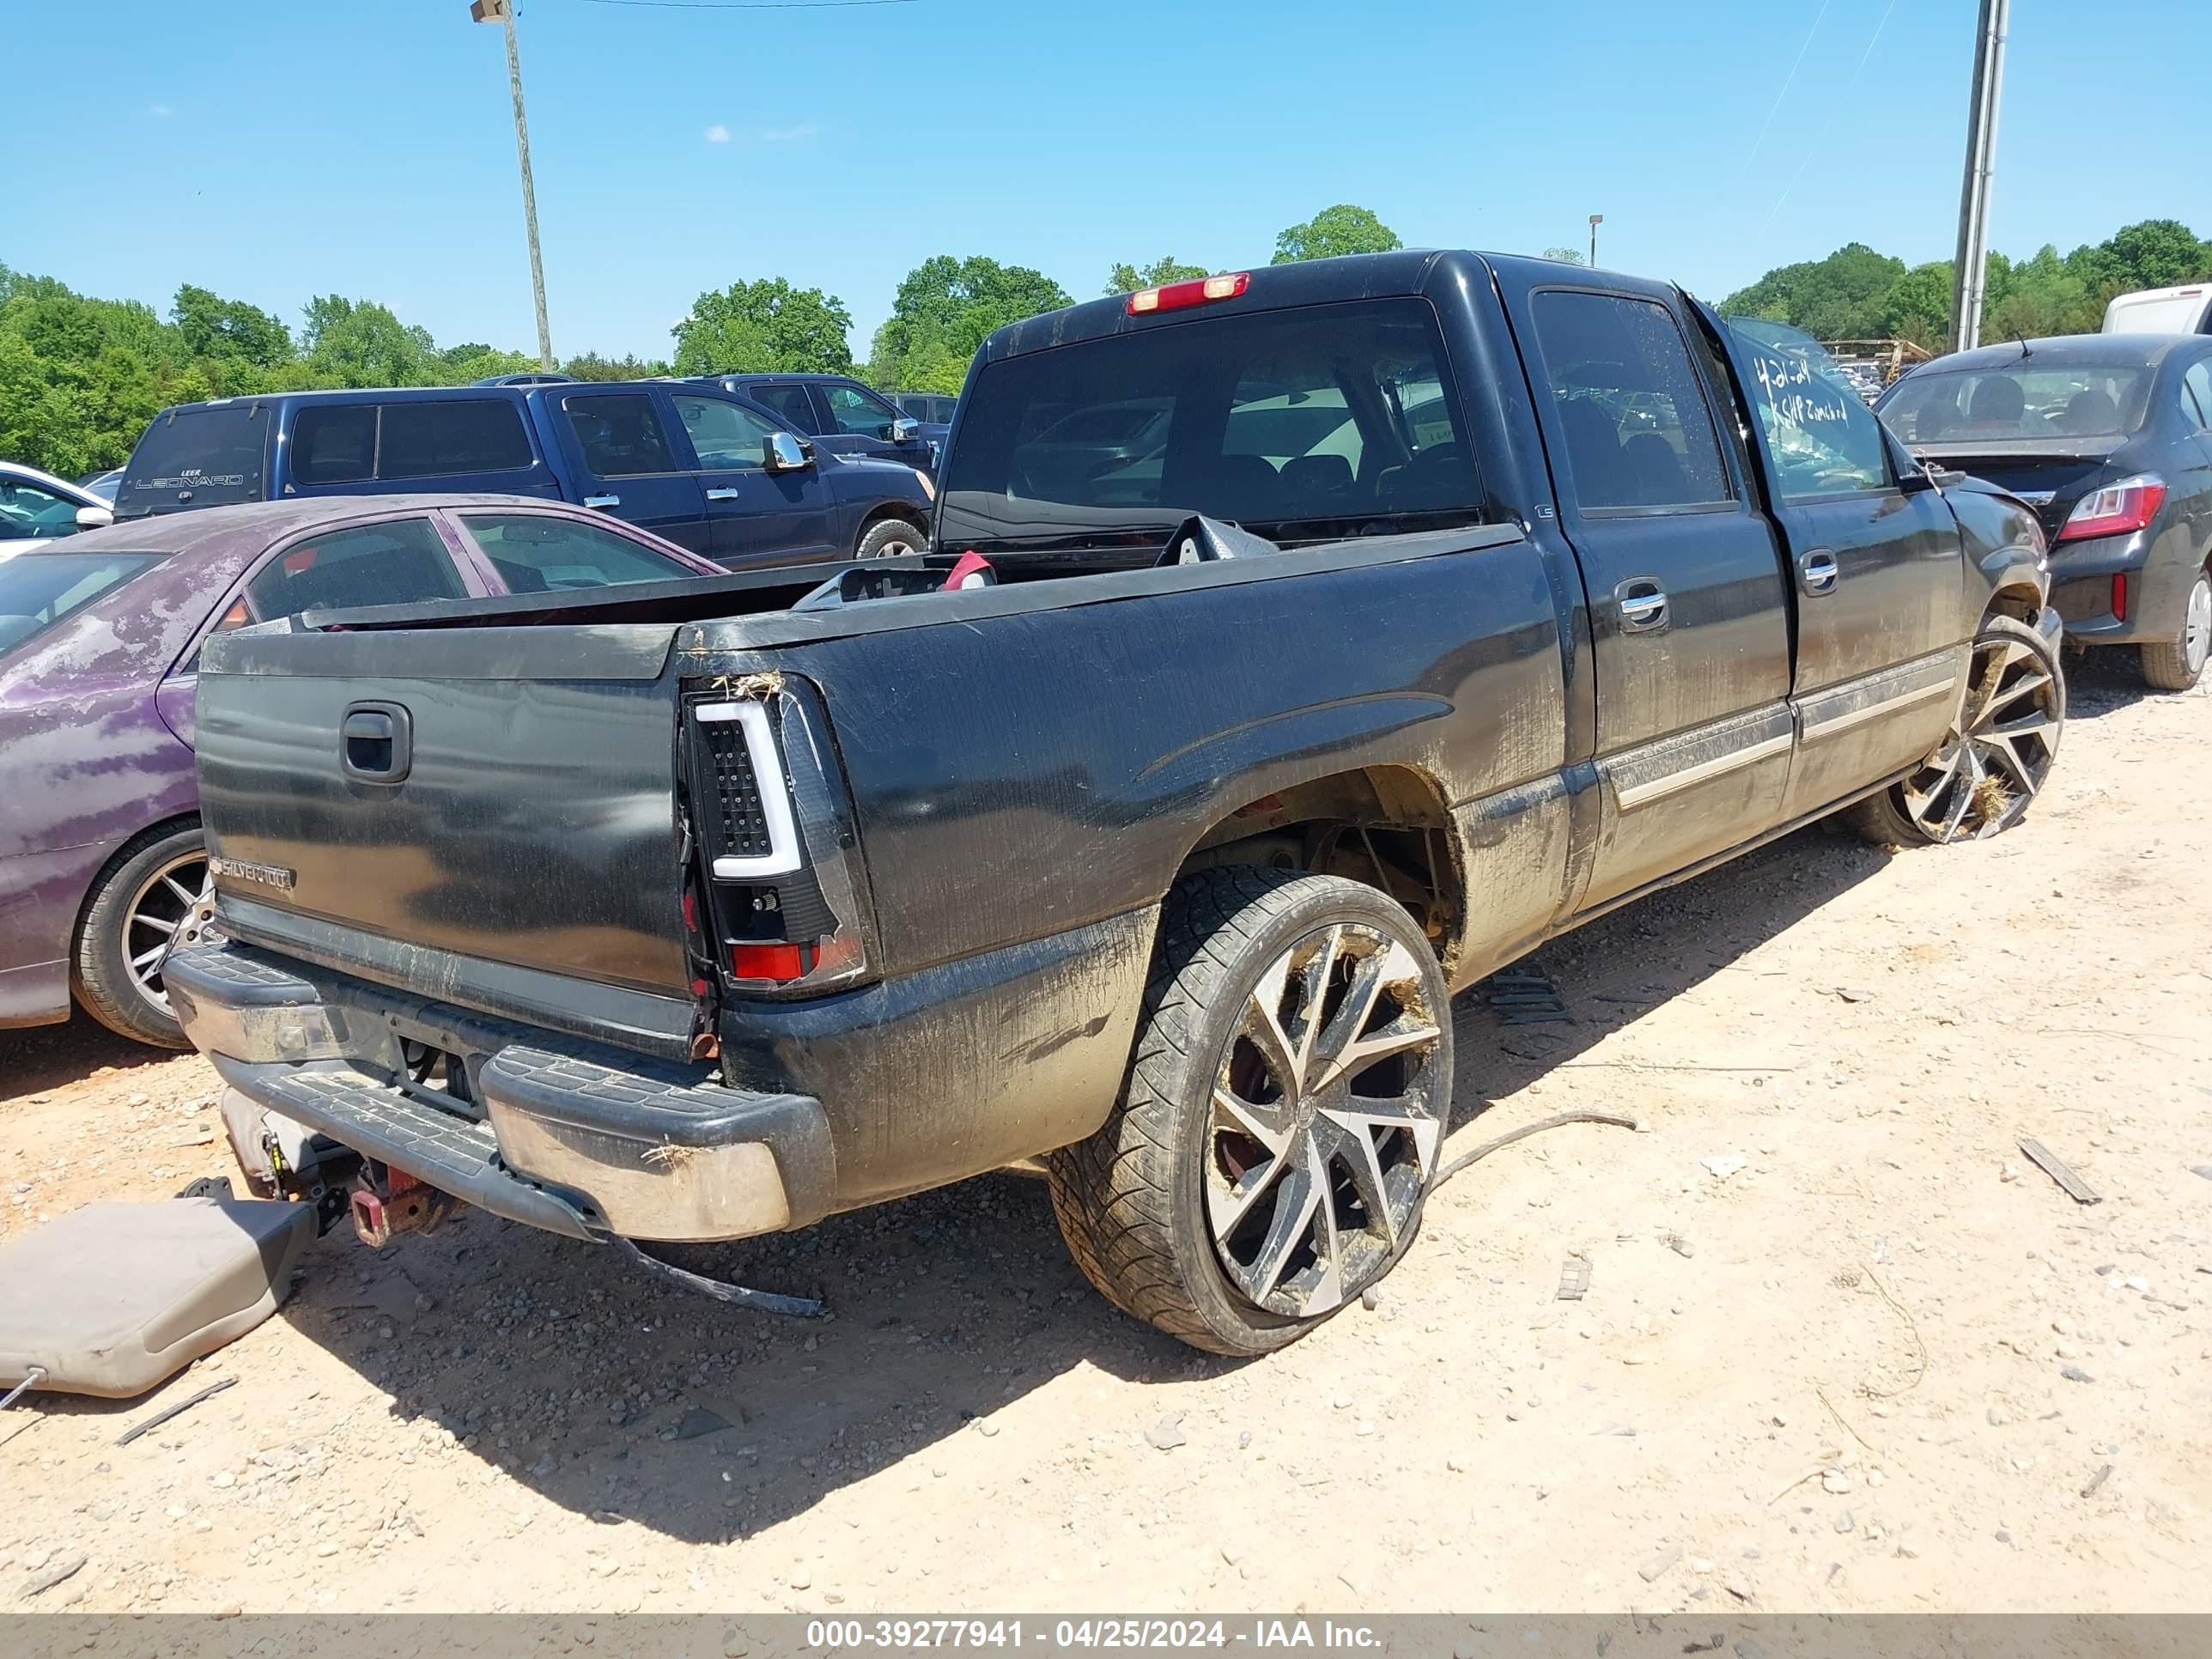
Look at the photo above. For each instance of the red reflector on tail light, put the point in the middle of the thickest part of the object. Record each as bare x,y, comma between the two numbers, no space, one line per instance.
2118,510
1174,297
2120,599
776,961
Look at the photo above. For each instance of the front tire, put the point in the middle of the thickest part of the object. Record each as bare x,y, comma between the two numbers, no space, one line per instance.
2177,663
1279,1128
156,891
1995,759
888,538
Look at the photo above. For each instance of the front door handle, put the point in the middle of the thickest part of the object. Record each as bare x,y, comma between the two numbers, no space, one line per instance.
602,500
1643,605
721,494
1817,572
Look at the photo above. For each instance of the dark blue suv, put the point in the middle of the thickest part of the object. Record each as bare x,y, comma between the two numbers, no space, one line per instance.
839,413
713,472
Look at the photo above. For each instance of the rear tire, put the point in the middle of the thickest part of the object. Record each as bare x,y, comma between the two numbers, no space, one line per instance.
138,904
888,538
1996,757
2175,665
1257,1142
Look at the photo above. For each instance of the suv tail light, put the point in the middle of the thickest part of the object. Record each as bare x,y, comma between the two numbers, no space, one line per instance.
2116,509
787,908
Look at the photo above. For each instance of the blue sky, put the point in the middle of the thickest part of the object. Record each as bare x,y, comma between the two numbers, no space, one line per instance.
272,149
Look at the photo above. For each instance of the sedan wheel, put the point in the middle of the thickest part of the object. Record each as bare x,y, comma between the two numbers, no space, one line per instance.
2177,663
172,908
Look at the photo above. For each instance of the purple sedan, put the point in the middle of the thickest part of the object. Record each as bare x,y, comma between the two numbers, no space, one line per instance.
101,863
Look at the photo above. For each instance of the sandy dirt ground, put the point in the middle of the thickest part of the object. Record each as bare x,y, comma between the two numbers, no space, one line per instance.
1843,1348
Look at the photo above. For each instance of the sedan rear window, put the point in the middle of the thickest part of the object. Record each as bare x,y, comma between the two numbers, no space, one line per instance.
204,455
38,590
2018,403
1302,425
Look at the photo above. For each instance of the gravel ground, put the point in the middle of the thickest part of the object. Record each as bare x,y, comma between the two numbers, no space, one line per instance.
1843,1348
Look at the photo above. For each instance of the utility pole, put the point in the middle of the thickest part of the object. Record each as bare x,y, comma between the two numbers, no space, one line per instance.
1596,219
502,12
1971,276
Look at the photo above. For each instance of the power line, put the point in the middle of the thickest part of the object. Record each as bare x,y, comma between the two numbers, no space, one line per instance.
1761,239
1786,80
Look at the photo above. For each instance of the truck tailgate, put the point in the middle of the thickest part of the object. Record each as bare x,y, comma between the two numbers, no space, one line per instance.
389,802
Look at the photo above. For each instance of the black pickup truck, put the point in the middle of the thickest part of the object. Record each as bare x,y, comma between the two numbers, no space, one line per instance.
1296,649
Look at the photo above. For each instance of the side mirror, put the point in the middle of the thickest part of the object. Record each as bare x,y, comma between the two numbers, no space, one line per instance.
905,429
95,518
781,453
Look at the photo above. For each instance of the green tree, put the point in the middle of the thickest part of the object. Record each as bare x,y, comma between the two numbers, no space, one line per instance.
590,366
1842,297
1340,229
1566,256
358,343
1127,278
943,310
767,326
1918,306
210,327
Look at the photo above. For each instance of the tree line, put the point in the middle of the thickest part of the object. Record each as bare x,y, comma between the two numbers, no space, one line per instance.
81,377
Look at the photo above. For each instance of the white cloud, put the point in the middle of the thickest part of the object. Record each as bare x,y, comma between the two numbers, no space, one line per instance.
789,135
160,110
718,134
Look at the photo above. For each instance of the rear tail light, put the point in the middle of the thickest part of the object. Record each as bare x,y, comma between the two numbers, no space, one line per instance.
785,905
2120,598
2116,509
1177,296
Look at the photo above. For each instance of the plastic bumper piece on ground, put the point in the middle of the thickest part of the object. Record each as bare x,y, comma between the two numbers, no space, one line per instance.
578,1141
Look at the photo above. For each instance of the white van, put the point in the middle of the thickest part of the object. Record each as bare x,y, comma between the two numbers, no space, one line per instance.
2184,310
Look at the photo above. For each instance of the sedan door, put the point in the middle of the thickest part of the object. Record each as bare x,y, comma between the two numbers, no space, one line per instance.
1877,562
755,516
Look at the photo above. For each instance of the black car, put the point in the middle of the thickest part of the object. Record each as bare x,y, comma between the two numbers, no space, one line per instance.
2105,435
840,414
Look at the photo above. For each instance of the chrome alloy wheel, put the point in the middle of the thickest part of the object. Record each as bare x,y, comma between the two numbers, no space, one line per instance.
173,910
1999,749
2196,627
1324,1128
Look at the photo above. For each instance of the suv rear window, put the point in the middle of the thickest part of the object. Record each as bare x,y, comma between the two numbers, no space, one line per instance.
38,590
1300,425
208,455
433,437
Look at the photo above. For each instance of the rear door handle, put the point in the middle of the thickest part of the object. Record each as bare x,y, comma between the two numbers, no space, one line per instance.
602,500
376,742
1817,572
721,494
1643,605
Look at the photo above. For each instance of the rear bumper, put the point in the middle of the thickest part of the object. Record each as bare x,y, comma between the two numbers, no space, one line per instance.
2082,587
553,1132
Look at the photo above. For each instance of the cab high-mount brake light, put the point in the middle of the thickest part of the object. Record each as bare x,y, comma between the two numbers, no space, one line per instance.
1177,296
2116,509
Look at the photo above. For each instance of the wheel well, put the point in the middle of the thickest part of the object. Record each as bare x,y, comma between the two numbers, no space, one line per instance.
893,510
2022,605
1385,826
120,856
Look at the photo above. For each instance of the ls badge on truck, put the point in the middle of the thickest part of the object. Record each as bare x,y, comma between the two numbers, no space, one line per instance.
264,875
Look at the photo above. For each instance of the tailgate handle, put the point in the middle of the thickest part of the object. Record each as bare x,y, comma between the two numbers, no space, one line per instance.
376,742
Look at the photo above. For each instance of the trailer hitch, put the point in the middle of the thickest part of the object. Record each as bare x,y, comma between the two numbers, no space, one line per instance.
397,1203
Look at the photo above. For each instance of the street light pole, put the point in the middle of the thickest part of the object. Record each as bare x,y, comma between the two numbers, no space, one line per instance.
502,12
1971,278
1596,219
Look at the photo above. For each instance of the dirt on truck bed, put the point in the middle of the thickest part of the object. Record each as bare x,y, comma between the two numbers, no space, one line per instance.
1843,1345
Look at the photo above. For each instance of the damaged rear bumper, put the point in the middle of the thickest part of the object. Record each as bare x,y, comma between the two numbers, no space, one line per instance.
559,1134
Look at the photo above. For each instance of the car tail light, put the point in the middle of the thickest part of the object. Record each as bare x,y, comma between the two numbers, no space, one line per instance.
2116,509
1177,296
2120,598
785,908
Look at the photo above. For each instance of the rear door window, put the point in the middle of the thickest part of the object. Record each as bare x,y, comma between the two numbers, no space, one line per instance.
792,403
207,455
619,435
2197,395
399,561
539,552
1638,433
433,437
1300,424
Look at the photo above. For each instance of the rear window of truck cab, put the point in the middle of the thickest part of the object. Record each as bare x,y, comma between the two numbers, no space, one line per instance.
201,455
1300,424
